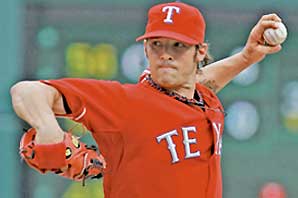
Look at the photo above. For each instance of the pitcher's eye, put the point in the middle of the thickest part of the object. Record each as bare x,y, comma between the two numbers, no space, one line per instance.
156,43
179,44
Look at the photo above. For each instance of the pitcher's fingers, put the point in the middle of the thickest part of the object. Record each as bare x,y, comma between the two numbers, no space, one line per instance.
259,29
272,16
269,49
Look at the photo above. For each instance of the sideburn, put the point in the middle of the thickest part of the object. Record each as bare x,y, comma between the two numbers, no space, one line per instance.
195,56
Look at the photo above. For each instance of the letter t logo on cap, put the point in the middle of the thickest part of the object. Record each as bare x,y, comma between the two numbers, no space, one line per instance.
170,13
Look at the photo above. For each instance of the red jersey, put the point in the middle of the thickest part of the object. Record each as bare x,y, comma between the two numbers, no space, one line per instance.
154,145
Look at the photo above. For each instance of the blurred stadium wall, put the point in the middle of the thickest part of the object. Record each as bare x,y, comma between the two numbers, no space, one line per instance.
95,38
11,28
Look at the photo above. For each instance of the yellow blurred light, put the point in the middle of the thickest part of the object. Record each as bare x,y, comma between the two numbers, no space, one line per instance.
93,188
76,56
291,122
99,61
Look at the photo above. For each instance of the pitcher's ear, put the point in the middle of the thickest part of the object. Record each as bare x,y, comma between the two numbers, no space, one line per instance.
201,52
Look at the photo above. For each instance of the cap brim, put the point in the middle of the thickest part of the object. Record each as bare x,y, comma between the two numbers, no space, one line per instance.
170,35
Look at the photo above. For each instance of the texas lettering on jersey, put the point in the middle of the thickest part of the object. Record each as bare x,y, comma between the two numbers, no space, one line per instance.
187,141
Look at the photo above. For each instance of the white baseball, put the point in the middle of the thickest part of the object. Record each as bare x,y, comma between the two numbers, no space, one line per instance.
276,36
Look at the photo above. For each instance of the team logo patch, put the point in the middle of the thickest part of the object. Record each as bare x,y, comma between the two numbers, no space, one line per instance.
170,12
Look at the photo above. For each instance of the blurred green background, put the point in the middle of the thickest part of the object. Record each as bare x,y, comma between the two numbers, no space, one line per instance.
96,38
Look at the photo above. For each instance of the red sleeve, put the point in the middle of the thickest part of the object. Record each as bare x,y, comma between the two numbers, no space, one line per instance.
99,105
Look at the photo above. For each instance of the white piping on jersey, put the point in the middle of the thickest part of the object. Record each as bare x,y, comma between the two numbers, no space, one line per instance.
146,71
81,115
71,117
78,117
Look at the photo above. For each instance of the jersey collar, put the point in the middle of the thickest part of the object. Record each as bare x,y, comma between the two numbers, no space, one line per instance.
197,100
